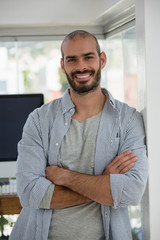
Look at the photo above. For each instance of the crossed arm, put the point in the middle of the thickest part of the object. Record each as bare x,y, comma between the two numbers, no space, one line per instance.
73,188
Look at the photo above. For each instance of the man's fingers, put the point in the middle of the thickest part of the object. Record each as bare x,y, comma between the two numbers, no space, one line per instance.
127,164
122,161
127,168
120,157
128,159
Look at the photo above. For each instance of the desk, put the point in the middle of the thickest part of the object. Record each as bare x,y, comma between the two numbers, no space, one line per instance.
9,204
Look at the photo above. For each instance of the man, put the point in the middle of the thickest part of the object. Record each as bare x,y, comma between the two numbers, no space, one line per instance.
82,158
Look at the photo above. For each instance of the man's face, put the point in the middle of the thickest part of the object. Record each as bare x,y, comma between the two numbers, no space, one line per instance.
82,64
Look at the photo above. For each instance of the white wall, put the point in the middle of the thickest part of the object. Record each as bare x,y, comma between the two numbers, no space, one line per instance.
148,42
152,30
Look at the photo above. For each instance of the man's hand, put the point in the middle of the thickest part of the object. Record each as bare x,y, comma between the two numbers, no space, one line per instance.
55,174
121,163
63,197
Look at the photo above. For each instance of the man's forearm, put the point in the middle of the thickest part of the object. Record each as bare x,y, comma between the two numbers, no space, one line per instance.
87,187
96,188
64,197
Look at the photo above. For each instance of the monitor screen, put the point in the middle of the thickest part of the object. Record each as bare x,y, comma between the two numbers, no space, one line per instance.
14,110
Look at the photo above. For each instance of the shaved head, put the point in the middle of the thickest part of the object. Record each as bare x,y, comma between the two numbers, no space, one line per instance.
77,35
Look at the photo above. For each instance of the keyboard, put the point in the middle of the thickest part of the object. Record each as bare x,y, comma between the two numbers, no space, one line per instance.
8,186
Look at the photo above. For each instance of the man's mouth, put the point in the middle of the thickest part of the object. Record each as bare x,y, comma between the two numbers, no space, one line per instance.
82,77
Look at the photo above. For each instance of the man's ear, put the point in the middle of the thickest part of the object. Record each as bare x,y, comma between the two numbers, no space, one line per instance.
103,59
62,65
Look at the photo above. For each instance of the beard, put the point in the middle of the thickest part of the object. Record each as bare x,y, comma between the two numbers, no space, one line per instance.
82,87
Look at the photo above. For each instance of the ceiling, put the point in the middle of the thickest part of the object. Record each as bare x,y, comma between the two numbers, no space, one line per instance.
28,17
50,12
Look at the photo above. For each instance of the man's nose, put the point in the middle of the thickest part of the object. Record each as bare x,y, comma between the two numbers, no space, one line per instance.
81,65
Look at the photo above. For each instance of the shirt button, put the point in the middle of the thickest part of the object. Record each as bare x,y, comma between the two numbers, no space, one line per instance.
66,123
57,144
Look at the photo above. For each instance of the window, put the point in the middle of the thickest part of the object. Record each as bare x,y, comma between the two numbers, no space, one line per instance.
31,67
122,67
7,68
122,83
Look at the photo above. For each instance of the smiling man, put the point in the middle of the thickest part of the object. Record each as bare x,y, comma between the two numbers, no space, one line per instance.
82,158
82,63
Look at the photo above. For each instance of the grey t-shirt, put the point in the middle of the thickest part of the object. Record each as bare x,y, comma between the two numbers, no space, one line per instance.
82,222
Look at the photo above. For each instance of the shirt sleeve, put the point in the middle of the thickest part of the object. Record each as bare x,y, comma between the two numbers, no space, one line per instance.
46,201
127,189
31,164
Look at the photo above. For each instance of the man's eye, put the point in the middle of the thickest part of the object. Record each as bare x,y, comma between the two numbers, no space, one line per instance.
89,57
70,60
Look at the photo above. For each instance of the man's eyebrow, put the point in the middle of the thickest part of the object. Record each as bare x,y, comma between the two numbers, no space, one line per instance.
89,53
85,54
70,57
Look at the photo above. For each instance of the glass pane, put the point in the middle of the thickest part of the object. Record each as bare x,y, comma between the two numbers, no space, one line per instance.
115,71
122,83
122,67
130,67
8,68
39,69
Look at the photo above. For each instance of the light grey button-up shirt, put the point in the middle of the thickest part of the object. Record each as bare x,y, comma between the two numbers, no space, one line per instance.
121,129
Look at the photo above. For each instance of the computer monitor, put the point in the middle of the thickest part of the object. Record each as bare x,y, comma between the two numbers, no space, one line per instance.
14,110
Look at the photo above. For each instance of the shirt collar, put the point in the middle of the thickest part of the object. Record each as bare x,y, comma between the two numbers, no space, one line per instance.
109,96
67,103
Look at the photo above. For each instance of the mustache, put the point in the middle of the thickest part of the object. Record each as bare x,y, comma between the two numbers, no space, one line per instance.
82,72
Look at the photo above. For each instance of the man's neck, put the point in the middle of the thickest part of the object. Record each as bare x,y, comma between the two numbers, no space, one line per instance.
87,105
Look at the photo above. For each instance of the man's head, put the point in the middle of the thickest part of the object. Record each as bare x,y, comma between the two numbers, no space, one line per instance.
80,34
82,61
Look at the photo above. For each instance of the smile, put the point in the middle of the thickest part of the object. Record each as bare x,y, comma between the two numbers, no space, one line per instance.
83,77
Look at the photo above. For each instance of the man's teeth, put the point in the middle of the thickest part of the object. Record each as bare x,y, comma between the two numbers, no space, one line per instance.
84,76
